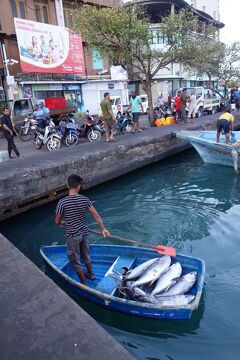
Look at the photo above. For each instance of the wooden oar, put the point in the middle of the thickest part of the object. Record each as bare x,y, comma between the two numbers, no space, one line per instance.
165,250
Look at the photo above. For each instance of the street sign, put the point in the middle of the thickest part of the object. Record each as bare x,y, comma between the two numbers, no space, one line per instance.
10,80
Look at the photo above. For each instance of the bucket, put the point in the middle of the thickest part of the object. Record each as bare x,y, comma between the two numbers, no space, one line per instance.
160,122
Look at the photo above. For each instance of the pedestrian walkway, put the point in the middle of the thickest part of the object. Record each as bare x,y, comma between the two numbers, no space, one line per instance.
28,149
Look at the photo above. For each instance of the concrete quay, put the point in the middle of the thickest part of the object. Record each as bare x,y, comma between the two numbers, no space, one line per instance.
39,321
40,176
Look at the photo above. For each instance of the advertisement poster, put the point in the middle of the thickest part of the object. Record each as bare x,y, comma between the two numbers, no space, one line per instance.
45,48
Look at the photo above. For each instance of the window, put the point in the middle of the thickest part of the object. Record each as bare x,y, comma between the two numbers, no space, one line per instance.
18,8
68,18
158,38
41,7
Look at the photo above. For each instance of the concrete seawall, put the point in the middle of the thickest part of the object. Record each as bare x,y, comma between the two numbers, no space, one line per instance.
36,180
39,321
40,177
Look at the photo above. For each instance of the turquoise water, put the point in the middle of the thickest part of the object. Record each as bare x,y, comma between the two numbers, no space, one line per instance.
180,202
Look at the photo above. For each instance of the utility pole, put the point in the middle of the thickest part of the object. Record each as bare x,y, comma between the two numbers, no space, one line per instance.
9,78
60,13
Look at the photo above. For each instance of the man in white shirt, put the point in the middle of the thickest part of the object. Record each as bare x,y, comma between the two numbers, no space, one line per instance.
192,106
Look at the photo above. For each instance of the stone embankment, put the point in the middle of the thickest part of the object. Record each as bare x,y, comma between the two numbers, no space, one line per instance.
41,177
39,321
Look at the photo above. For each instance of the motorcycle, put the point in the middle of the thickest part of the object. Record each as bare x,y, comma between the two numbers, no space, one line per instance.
48,137
124,123
91,129
162,112
28,129
68,131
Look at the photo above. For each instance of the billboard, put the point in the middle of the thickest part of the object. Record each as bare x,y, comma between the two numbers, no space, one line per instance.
45,48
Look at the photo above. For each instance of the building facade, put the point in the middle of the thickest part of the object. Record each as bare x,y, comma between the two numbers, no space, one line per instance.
176,76
210,7
44,85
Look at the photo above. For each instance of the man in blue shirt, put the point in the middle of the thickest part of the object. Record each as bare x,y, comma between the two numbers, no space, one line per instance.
41,114
137,108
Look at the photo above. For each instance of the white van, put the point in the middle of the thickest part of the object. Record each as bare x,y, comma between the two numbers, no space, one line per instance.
207,101
144,100
117,104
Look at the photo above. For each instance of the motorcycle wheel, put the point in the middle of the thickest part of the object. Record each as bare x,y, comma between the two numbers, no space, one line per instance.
127,128
23,136
94,135
71,139
38,143
118,130
53,144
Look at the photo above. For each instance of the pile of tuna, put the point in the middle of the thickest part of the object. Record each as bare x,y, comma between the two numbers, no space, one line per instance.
156,281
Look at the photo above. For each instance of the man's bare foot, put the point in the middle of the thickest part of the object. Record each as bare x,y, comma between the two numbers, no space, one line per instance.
90,276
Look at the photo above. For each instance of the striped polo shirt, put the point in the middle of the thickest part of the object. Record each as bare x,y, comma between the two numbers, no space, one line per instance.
74,208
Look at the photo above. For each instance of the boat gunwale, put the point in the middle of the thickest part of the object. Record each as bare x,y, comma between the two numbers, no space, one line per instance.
192,306
189,136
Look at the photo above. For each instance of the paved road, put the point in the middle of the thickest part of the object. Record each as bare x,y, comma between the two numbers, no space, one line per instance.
28,148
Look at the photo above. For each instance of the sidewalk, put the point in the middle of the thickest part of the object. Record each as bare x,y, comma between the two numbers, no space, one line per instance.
28,149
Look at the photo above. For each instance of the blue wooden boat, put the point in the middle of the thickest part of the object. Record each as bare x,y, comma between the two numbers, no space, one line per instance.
211,151
106,259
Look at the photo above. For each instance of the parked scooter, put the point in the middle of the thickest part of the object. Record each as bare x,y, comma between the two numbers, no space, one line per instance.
28,129
162,111
124,123
48,137
91,129
68,130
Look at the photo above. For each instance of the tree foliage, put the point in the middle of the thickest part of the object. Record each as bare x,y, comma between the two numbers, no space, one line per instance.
123,34
229,68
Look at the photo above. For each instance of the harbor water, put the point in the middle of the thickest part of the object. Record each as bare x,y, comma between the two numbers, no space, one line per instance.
179,202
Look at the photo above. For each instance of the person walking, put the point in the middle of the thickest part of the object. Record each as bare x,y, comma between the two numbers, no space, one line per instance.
8,132
192,107
108,117
183,104
74,208
136,106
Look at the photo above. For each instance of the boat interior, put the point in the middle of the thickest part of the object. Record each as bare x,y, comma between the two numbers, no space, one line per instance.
108,262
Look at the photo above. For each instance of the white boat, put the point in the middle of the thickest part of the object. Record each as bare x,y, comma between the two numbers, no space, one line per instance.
210,150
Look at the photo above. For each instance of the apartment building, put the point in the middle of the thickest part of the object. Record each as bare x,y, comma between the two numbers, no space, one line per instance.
176,76
210,7
40,84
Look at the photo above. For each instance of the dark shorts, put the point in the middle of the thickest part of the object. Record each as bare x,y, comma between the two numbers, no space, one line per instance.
109,124
223,125
77,251
237,104
135,117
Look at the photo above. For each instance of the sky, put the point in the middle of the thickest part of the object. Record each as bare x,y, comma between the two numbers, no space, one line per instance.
229,15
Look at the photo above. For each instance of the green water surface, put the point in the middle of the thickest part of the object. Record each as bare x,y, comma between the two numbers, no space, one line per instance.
180,202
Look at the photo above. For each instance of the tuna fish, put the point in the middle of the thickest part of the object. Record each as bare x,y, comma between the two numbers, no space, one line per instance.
182,285
167,279
144,297
178,300
139,270
154,272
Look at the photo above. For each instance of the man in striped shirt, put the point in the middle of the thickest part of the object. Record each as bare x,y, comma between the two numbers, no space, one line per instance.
74,208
